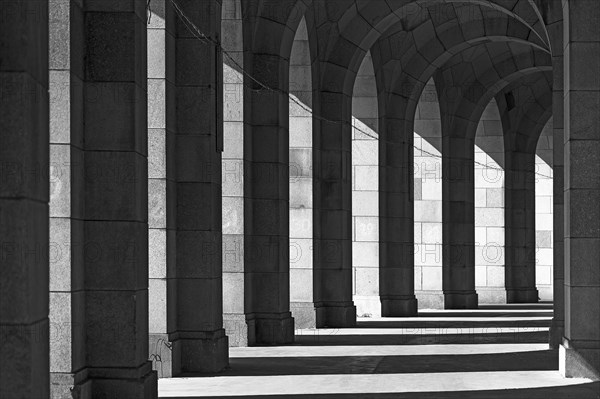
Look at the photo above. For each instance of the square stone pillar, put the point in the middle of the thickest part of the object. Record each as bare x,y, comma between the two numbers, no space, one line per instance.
199,341
115,201
185,117
267,46
24,156
396,211
580,350
519,224
332,193
458,215
266,209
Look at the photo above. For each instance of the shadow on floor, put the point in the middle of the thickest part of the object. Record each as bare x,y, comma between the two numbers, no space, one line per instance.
424,338
582,391
512,361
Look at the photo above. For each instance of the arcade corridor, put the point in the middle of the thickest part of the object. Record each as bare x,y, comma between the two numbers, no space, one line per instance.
299,198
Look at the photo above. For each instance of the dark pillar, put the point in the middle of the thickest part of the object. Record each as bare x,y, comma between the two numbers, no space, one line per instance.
24,199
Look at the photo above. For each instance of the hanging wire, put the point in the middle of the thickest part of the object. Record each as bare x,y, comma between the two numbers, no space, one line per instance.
198,34
149,11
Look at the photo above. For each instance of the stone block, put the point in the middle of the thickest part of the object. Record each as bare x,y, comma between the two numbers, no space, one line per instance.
233,178
428,211
157,253
301,253
157,305
233,136
157,153
432,233
480,197
61,340
584,253
365,254
61,242
233,215
300,79
301,285
489,217
300,162
366,228
495,276
116,255
233,293
300,131
431,189
365,203
116,328
60,107
367,280
301,195
428,254
116,186
495,197
580,321
432,278
301,223
26,355
366,178
157,203
365,152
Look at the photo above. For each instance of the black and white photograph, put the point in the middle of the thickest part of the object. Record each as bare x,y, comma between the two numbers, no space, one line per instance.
300,199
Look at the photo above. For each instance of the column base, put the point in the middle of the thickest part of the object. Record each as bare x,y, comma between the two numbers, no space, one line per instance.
579,363
460,300
200,352
270,328
304,313
399,307
137,383
557,332
336,316
525,295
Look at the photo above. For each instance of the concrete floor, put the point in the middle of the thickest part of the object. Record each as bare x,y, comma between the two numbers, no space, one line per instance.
501,354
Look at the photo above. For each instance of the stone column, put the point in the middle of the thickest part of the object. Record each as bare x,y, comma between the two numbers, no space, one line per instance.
556,33
458,217
115,204
24,199
580,350
266,164
199,341
519,222
67,295
332,193
396,211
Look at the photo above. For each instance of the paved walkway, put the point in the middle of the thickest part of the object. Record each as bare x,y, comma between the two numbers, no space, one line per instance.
494,353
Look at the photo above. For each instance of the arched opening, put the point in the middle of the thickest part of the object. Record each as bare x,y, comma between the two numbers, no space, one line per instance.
428,200
301,181
489,207
365,187
544,213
